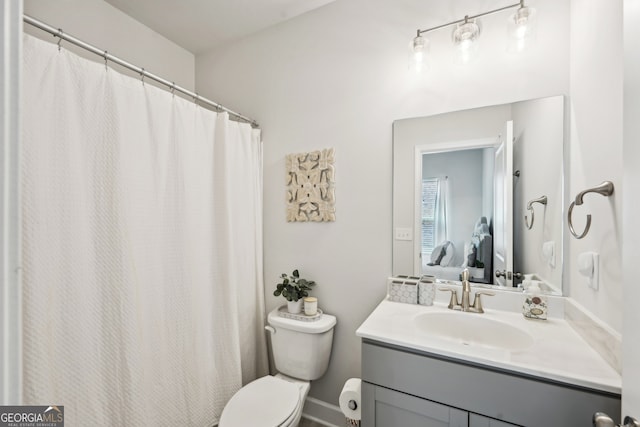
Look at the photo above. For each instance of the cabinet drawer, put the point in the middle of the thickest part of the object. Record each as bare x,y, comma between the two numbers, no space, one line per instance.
389,408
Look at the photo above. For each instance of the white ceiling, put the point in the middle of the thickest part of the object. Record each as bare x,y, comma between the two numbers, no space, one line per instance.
200,25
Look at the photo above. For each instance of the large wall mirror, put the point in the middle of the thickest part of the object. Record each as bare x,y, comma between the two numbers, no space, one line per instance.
481,189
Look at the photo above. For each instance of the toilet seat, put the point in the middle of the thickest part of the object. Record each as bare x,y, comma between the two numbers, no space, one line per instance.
267,401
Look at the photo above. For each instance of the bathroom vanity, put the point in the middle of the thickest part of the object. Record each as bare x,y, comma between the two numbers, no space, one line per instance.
414,376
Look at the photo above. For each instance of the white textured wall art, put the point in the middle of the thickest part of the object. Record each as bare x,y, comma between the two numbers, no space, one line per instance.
310,186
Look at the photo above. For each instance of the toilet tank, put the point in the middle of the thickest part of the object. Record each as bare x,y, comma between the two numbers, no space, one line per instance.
301,349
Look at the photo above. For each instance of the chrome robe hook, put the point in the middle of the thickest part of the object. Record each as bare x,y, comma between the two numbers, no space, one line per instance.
605,188
543,201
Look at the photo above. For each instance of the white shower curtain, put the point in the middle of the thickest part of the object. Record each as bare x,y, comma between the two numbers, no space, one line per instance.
143,293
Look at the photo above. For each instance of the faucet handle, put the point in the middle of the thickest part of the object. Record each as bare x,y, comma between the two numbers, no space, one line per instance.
477,301
453,302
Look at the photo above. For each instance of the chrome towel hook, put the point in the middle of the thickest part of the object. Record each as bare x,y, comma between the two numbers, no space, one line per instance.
606,189
542,200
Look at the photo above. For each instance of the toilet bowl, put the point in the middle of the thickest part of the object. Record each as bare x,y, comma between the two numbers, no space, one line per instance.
273,401
301,351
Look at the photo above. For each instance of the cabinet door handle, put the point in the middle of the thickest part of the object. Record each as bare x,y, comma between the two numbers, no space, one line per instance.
600,419
630,422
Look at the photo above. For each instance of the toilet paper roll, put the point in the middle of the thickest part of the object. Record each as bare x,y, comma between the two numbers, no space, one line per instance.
350,398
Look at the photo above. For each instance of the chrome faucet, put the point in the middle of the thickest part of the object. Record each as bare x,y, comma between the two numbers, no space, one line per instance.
466,290
465,305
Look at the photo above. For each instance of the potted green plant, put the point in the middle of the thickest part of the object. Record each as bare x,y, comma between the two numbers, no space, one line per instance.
293,288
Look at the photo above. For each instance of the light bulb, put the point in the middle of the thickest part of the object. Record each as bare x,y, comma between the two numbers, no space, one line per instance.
465,45
418,51
465,36
521,29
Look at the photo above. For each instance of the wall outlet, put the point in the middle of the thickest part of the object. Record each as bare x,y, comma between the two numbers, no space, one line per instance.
403,233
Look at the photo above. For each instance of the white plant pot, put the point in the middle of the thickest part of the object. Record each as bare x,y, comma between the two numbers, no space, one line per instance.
295,307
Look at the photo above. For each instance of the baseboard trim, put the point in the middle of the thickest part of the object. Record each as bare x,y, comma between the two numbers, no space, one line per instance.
323,413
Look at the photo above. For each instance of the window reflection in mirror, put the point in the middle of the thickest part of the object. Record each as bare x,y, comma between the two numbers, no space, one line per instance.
433,220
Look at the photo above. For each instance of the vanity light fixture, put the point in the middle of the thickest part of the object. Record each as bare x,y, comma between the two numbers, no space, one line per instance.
521,27
418,52
467,31
464,37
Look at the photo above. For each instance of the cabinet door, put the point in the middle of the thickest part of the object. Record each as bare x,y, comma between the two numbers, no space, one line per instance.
476,420
383,407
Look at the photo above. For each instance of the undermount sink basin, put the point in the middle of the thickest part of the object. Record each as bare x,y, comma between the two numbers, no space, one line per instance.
473,329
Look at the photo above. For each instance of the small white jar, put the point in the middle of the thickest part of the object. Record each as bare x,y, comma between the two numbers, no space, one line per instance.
311,306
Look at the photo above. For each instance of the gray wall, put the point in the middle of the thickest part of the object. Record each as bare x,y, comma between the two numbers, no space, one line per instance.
337,77
538,128
98,23
595,151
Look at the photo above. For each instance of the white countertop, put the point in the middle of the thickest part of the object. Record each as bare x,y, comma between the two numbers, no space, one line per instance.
558,352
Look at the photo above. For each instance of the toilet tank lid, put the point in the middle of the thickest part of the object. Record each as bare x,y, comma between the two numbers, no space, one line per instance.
323,324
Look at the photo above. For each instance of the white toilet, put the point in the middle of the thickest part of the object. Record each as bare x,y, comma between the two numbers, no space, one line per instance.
301,351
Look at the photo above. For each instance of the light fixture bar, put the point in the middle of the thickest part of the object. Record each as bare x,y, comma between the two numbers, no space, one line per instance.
466,18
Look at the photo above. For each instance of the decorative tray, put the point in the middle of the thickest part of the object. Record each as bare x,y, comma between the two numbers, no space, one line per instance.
282,311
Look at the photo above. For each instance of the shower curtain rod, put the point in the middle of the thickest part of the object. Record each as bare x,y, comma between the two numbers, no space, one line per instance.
143,73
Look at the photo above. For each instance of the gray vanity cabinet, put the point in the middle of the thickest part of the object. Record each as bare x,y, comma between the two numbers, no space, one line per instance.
405,388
